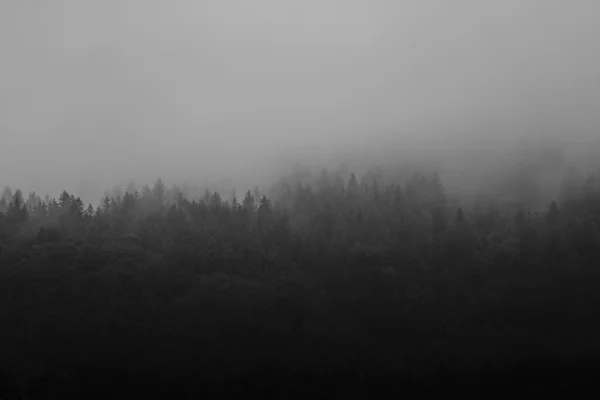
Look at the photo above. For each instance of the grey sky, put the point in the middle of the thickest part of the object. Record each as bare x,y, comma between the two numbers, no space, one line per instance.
104,90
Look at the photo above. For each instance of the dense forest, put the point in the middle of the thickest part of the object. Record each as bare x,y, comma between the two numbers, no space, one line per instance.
322,286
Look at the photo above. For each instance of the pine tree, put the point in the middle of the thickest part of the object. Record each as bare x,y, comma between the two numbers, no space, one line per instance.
264,205
18,201
17,209
64,200
106,204
264,213
215,201
53,208
235,204
76,208
248,203
159,192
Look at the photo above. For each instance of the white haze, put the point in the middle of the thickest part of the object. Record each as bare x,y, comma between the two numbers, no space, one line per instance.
93,93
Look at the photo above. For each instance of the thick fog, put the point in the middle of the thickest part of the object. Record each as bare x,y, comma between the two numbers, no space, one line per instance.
94,93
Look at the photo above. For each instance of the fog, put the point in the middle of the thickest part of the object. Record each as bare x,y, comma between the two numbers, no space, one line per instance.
94,93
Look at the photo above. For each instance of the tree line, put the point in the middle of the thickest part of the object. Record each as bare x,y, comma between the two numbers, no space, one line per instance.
343,274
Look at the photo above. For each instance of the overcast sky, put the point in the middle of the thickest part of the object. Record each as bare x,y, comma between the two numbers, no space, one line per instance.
101,90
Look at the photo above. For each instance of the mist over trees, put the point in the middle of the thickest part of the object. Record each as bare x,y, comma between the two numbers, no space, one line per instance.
364,272
309,199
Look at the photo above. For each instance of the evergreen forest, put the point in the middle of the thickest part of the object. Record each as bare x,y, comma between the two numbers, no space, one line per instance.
326,286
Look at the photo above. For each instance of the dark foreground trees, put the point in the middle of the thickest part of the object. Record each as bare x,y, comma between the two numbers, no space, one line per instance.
320,289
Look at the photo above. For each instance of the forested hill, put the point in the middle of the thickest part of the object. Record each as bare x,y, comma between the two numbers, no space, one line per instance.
323,287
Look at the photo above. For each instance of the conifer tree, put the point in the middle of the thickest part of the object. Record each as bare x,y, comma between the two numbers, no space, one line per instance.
248,203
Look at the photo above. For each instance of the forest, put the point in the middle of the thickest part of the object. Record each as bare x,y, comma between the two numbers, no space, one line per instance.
326,285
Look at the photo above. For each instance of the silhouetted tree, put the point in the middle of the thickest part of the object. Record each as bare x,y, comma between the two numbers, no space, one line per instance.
106,205
248,203
215,201
89,212
355,265
159,192
64,200
235,204
264,212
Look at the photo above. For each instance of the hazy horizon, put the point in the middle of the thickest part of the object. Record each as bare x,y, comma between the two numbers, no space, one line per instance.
94,93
